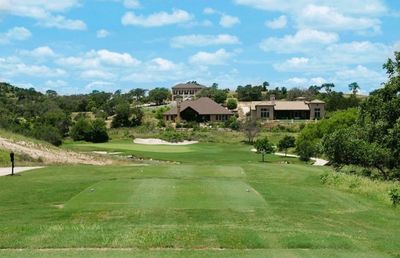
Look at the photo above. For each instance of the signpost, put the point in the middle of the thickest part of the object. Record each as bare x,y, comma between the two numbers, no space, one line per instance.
12,162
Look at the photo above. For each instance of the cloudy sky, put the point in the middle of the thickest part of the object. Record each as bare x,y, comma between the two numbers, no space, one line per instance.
75,46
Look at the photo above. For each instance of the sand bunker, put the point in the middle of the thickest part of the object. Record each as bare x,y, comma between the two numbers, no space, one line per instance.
161,142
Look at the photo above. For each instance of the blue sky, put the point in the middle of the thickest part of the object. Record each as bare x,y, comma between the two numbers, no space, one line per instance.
76,46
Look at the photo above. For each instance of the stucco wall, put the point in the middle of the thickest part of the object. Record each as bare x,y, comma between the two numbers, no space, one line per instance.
258,112
312,110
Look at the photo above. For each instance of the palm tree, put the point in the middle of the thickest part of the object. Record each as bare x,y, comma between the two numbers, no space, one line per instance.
354,87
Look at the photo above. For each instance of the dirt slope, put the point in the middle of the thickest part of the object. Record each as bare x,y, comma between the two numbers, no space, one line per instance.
51,155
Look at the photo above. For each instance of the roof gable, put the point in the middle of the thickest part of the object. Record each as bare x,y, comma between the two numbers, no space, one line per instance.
203,106
188,86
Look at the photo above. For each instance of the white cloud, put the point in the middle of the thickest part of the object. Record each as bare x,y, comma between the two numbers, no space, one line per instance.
114,58
304,82
228,21
363,75
96,74
15,34
157,19
99,85
327,18
219,57
364,7
339,15
96,59
337,56
160,70
161,64
102,33
55,84
292,64
209,10
303,41
61,22
39,52
13,67
278,23
204,40
132,4
44,11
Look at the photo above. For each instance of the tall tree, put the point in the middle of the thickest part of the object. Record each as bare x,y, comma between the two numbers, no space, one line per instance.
263,146
287,142
265,85
354,87
328,87
159,95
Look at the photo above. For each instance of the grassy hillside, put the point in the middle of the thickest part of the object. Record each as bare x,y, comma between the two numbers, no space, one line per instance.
221,201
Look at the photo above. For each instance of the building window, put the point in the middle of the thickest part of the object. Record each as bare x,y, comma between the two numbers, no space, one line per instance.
264,113
221,117
317,113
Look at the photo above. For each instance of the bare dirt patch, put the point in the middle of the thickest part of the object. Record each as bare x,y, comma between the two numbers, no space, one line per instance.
51,155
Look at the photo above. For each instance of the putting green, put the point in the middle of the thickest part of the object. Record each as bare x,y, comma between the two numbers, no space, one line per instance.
130,146
168,193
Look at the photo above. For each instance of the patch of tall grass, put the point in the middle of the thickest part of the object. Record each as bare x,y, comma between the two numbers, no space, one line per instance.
376,189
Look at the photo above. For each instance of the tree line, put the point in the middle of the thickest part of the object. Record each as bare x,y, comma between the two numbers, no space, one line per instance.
367,137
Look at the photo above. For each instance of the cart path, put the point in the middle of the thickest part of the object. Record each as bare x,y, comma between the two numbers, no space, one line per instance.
7,171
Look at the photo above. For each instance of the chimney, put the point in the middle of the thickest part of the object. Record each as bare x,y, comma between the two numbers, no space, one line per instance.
272,99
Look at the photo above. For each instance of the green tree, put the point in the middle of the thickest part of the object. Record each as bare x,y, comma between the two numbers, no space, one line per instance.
213,93
263,146
231,104
98,131
286,142
122,116
354,87
47,133
328,87
265,85
80,130
249,93
138,93
250,128
159,95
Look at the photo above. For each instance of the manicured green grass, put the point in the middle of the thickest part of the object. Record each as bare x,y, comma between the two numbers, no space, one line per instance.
200,208
201,153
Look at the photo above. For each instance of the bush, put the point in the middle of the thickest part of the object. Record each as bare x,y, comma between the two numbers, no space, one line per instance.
174,136
90,131
394,195
232,123
47,133
306,149
80,131
98,132
231,104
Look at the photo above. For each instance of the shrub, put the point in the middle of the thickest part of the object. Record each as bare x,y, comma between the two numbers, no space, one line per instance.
90,131
98,132
306,149
174,136
47,133
394,195
232,123
263,146
231,104
80,130
287,142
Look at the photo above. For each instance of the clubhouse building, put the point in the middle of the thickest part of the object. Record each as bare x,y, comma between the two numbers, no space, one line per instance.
186,91
199,110
284,110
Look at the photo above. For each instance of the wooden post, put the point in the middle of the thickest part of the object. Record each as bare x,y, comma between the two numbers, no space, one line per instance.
12,162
